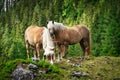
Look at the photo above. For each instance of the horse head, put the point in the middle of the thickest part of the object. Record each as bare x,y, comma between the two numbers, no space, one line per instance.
51,28
54,27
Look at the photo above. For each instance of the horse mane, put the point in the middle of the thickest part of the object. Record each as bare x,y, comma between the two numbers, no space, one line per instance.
48,44
44,39
56,25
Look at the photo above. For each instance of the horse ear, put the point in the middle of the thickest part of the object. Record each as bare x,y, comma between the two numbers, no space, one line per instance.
53,22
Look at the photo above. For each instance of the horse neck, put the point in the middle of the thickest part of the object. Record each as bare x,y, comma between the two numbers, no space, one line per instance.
60,35
59,26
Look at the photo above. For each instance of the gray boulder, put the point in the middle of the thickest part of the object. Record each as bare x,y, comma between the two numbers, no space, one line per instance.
23,74
32,66
79,74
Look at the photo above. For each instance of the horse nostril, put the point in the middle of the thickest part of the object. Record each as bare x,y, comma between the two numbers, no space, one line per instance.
51,34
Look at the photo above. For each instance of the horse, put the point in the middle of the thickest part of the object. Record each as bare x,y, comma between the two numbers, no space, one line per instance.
65,36
34,37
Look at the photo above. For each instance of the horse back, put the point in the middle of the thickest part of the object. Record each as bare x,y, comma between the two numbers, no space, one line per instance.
84,31
33,35
74,34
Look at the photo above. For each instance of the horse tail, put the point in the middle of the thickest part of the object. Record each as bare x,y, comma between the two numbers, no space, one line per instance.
89,45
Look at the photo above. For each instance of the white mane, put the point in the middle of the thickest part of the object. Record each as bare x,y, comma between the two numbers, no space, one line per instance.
48,44
55,25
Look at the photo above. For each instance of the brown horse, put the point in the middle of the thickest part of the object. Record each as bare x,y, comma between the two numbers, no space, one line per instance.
33,38
39,37
65,36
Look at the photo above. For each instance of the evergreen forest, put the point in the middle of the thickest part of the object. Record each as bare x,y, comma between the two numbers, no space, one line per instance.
101,16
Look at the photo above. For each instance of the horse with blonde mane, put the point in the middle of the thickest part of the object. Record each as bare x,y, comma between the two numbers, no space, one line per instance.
65,36
35,37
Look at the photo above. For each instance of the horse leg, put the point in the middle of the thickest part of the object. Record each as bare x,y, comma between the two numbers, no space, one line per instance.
54,53
88,47
62,49
59,52
54,57
83,46
34,53
44,57
66,51
58,56
28,49
38,50
51,58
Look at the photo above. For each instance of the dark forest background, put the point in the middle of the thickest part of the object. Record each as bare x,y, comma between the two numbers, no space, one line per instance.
101,16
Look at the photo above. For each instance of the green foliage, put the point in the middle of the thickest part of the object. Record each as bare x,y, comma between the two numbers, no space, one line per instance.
51,68
75,50
7,68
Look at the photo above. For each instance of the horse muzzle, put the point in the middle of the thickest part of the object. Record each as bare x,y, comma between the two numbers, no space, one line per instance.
52,35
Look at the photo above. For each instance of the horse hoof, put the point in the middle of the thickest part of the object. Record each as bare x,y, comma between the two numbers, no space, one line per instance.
58,60
51,62
82,59
68,60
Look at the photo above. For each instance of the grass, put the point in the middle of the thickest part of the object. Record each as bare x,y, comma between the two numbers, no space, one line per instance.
7,68
97,68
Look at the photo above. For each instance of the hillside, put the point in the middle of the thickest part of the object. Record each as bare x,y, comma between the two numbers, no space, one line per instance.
95,68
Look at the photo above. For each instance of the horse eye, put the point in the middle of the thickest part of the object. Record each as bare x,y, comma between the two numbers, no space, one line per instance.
51,29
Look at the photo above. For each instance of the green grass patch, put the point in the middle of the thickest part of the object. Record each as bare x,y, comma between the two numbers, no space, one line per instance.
7,68
98,68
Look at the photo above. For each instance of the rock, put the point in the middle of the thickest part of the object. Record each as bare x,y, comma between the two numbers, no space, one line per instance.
32,66
76,65
68,60
42,71
79,74
116,79
35,59
23,74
